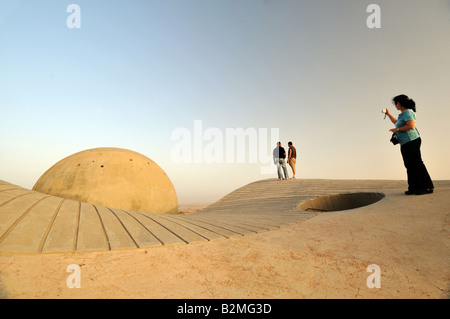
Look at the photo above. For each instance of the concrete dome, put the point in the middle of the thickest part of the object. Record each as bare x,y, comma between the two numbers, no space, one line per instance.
111,177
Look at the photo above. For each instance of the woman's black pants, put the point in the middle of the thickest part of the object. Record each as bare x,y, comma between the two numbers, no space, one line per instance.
418,177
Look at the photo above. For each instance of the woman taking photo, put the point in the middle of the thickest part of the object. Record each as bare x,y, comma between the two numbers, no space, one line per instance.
419,181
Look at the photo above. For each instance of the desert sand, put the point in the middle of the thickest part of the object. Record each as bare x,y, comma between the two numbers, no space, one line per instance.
325,256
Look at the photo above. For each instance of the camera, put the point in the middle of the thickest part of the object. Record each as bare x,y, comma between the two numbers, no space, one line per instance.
384,111
394,139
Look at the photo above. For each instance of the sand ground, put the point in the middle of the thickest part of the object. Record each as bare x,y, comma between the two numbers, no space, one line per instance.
323,257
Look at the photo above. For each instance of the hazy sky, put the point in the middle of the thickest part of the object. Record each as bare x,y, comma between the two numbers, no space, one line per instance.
136,72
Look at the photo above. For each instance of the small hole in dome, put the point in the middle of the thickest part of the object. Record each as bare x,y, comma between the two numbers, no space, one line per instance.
131,159
102,166
78,165
338,202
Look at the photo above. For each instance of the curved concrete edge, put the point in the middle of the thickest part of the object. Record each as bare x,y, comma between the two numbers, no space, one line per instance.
32,222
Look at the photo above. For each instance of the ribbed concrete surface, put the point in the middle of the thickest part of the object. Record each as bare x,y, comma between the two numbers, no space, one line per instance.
33,222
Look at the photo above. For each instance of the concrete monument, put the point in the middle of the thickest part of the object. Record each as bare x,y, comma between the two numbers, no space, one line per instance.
111,177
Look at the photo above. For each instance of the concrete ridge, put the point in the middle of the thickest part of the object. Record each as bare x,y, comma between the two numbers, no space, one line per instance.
32,222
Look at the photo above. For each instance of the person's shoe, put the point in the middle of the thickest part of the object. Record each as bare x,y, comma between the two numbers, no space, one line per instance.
408,192
424,191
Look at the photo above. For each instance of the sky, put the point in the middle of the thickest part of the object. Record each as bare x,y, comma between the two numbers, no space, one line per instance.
170,78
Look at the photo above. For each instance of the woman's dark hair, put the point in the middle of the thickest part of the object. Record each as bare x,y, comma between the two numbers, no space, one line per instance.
405,101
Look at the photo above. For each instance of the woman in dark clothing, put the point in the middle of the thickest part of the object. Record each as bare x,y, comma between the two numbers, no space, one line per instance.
419,181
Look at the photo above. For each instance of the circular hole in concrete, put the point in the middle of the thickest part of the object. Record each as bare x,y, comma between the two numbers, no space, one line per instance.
333,203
